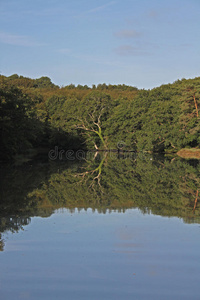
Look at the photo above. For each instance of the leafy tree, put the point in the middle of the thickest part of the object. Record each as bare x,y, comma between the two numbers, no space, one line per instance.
16,112
44,82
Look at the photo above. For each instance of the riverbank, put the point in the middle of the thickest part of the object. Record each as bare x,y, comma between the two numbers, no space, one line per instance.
189,153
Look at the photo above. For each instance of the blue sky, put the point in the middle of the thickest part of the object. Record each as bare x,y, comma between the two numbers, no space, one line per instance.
143,43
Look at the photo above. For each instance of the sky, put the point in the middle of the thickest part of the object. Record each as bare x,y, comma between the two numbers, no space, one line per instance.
142,43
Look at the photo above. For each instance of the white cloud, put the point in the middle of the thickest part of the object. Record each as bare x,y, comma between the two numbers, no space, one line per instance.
96,9
101,7
153,14
127,34
128,50
18,40
64,51
95,59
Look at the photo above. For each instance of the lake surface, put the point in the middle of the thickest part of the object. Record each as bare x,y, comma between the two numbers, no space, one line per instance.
111,227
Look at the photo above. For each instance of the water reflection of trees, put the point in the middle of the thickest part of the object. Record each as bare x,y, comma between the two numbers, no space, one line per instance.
13,224
167,187
103,182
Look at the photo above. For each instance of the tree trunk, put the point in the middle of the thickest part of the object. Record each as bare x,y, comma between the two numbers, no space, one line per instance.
195,103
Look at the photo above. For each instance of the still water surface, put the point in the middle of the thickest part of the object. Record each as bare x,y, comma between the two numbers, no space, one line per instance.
133,234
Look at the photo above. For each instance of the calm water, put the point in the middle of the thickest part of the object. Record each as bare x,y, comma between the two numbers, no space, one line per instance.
109,228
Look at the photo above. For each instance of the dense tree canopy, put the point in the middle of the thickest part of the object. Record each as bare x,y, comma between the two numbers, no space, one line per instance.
35,112
18,127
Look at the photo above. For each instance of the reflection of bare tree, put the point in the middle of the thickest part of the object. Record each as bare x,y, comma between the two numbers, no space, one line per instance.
93,174
195,202
189,186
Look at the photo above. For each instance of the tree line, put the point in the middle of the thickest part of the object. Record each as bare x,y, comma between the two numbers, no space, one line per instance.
35,113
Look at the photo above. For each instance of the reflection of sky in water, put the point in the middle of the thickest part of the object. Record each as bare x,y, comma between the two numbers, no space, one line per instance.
88,255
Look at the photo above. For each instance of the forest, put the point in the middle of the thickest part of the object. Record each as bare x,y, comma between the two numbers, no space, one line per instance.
37,115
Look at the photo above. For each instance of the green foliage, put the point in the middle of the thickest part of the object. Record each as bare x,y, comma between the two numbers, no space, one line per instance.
16,114
43,82
23,124
158,120
25,82
61,112
104,182
85,118
94,111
